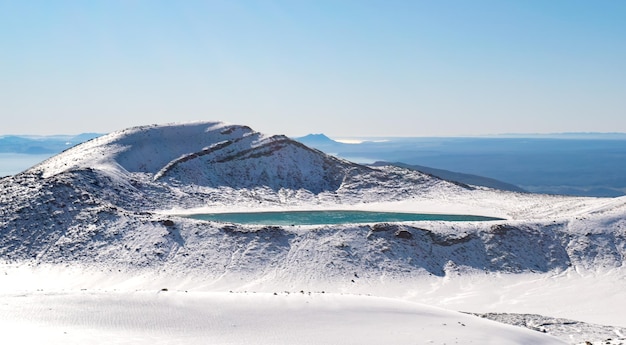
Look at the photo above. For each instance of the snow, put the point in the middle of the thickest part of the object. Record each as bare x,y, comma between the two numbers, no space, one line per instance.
166,317
69,304
570,330
140,148
98,227
594,297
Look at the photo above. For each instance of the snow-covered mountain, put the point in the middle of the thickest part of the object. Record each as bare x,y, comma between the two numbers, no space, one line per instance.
104,201
114,204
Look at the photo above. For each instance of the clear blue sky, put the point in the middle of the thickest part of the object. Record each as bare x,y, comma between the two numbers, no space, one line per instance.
344,68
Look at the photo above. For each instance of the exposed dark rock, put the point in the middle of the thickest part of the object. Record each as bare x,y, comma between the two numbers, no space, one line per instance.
385,227
167,222
450,240
404,234
501,229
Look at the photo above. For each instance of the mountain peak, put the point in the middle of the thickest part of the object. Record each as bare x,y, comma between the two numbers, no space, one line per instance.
315,139
142,149
204,154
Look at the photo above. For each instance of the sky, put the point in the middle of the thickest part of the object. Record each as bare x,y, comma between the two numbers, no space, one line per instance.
343,68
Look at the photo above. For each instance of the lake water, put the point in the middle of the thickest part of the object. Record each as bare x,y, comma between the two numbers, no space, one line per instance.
330,217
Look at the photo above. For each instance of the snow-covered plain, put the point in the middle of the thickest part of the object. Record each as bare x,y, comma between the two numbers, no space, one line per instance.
90,237
69,305
167,317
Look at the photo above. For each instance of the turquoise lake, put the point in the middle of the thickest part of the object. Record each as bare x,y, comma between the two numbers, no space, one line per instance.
330,217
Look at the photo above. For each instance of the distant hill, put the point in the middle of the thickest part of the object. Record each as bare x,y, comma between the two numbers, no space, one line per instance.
469,179
316,139
27,144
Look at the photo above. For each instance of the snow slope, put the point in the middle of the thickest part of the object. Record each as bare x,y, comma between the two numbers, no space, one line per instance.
204,154
113,205
167,317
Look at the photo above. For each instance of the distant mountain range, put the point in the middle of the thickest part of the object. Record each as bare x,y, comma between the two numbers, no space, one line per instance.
41,144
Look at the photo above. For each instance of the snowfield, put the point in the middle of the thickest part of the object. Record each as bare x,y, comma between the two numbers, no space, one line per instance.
91,237
244,318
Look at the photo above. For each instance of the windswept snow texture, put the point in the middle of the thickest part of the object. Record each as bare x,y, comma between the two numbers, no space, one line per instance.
112,205
177,317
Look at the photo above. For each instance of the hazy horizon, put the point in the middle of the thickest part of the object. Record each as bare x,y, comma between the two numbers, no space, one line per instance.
573,135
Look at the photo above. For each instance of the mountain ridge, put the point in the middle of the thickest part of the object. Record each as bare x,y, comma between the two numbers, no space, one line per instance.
110,202
458,177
